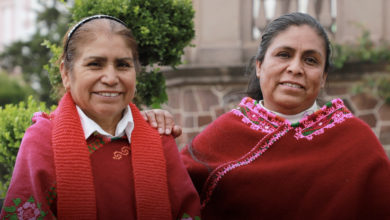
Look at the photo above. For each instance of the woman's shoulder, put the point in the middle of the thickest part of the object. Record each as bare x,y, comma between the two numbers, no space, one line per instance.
38,135
41,122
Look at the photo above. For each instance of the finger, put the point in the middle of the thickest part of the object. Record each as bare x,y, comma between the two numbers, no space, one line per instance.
160,118
176,131
143,113
151,118
169,122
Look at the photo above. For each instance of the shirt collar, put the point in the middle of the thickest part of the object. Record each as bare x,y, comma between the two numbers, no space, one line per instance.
124,126
294,118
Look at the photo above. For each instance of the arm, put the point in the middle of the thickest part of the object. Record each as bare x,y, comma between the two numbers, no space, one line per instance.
183,196
30,193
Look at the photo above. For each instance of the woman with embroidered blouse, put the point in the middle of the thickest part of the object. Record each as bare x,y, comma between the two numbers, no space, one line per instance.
279,155
95,157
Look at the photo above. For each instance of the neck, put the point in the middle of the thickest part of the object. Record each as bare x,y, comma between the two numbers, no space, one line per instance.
296,116
108,124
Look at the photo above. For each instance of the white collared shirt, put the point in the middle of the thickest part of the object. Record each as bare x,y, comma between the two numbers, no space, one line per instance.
124,126
294,118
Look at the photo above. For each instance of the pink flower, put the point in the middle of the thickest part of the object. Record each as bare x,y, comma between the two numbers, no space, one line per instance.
28,211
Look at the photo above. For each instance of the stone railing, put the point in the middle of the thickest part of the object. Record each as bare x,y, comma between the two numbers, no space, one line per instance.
227,32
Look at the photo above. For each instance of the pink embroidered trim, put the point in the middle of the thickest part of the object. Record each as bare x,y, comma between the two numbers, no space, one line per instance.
248,158
258,118
124,152
327,117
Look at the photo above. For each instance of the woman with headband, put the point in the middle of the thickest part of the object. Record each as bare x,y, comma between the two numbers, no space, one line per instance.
95,157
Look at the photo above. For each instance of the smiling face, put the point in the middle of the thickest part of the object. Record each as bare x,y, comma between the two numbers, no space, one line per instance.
102,78
292,71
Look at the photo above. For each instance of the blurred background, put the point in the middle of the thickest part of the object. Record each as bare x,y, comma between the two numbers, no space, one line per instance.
212,77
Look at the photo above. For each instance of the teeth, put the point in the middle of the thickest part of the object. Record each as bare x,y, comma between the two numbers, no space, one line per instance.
292,85
108,94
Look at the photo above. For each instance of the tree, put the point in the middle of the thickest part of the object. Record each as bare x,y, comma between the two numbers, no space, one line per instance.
31,56
162,28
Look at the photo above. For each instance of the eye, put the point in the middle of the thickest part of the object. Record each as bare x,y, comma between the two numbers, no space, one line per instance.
311,60
283,54
93,64
124,65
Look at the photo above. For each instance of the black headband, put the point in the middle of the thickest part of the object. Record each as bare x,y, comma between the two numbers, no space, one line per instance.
87,19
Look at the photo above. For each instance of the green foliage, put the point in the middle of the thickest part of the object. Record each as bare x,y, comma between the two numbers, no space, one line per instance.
11,91
152,87
30,55
53,69
377,85
364,51
14,120
162,28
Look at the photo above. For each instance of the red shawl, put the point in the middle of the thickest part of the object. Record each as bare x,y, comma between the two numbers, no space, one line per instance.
251,164
75,188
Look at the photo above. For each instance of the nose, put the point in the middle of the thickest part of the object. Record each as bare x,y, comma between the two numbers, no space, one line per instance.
295,66
110,76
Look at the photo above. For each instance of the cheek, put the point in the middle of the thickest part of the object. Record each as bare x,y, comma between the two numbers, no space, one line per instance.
130,82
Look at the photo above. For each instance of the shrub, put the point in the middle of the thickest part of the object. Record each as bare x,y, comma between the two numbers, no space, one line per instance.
14,120
162,28
11,91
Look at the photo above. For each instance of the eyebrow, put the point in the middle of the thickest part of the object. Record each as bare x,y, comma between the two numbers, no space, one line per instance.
304,52
104,58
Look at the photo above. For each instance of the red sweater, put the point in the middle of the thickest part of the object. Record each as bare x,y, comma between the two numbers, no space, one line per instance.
59,175
251,164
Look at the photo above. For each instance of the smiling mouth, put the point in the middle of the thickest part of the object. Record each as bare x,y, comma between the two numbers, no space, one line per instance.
292,85
108,94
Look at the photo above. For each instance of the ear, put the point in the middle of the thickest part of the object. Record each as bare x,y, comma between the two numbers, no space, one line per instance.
258,68
323,80
65,76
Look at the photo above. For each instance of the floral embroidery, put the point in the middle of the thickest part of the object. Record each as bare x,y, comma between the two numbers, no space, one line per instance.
27,210
262,146
124,151
257,117
51,194
188,217
331,114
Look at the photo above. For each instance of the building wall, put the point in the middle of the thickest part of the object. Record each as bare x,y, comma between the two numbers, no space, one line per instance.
17,20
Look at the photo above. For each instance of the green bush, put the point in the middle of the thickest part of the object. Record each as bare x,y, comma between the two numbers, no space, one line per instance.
162,28
11,91
14,120
364,51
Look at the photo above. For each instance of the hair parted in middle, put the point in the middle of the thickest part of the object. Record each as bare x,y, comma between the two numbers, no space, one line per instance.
272,30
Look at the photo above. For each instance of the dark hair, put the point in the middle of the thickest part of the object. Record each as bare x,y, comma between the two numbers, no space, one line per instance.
81,32
271,31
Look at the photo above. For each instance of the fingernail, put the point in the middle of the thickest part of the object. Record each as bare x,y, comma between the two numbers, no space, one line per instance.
160,130
167,131
154,124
